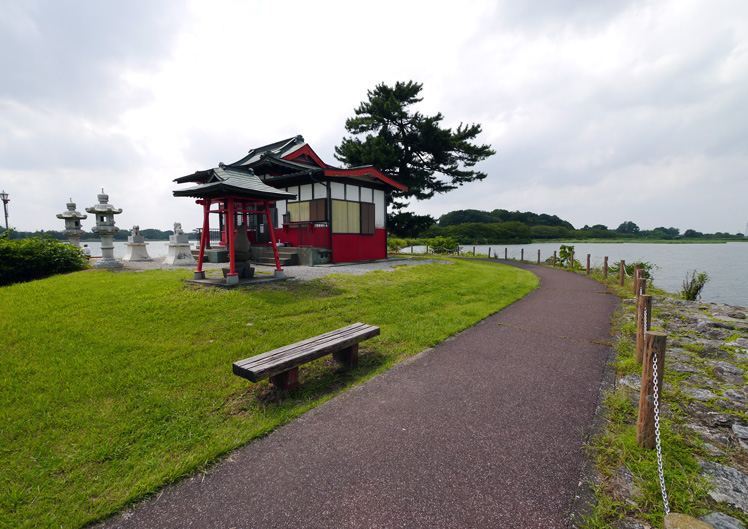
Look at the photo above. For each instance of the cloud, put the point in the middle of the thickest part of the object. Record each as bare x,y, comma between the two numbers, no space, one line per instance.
581,99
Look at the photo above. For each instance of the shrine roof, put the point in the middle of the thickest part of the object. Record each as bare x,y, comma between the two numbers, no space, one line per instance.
225,181
294,157
279,149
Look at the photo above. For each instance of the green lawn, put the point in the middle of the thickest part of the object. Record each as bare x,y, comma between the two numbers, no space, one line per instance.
115,383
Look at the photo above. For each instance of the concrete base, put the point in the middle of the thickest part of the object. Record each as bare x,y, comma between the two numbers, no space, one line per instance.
107,263
179,255
303,256
279,274
216,256
232,279
199,275
136,252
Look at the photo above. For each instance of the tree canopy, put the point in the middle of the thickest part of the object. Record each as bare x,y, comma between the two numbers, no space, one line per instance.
412,148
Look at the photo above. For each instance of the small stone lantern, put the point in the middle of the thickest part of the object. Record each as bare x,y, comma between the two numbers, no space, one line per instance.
105,229
72,220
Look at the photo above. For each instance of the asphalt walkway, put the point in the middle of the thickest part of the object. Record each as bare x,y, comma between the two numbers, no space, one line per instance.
484,431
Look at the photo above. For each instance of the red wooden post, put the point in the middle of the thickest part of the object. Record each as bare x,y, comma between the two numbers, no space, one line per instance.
204,238
621,273
347,357
286,381
605,266
272,237
645,424
643,324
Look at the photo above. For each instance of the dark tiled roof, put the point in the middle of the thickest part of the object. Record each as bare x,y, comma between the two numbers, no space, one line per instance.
224,181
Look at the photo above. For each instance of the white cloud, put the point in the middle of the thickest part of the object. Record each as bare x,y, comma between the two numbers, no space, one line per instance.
580,99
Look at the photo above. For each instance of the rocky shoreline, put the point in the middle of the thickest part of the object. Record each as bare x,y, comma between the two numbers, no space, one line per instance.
706,399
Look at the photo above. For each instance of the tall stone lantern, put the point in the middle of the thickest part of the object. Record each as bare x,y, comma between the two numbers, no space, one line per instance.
72,220
105,229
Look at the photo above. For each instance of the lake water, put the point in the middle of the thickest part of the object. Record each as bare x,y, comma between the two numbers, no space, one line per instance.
155,248
726,264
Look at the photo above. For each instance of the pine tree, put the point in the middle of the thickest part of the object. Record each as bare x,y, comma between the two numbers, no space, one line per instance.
410,147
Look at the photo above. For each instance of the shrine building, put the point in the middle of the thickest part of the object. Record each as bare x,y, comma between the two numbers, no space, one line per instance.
311,212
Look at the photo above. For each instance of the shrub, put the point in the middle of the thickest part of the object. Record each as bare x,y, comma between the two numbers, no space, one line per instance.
36,257
693,286
443,245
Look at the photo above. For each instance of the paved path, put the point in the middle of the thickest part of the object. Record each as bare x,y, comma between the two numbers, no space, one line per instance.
483,431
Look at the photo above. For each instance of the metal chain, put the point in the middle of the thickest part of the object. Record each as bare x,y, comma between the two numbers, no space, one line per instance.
657,432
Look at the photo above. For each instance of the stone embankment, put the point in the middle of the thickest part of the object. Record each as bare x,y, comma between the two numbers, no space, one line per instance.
706,395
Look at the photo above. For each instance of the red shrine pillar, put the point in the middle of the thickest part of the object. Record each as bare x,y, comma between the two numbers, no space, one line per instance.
271,229
204,238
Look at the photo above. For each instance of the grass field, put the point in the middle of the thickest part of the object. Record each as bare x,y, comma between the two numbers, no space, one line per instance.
113,384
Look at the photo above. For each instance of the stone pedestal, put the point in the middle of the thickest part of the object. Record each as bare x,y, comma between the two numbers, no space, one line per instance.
75,240
136,249
107,253
180,253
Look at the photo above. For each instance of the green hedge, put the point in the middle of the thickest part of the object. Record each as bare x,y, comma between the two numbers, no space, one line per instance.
37,257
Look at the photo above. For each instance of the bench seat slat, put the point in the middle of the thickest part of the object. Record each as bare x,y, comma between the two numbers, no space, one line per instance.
265,365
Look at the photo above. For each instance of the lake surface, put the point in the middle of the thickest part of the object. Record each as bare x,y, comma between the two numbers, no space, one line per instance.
726,264
155,248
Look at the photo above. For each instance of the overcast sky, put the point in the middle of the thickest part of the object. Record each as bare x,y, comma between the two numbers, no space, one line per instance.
599,112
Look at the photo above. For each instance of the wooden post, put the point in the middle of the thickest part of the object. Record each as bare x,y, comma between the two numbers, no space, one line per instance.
522,255
588,264
605,266
489,252
656,343
643,324
505,254
641,288
554,258
473,251
538,256
571,262
634,287
621,273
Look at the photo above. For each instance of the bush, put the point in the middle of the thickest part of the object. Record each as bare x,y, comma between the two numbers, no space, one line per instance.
693,286
629,269
443,245
37,257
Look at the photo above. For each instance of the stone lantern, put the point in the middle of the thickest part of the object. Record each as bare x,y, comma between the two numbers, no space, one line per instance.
72,220
105,228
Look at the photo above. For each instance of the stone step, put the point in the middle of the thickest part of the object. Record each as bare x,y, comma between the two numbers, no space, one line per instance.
284,261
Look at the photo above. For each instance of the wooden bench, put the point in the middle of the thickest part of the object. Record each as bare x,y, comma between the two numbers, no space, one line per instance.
282,365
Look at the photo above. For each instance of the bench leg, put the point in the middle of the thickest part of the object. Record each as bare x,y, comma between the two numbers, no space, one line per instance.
286,381
348,357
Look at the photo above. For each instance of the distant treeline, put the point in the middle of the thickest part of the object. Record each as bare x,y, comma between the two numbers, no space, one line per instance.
500,226
150,234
